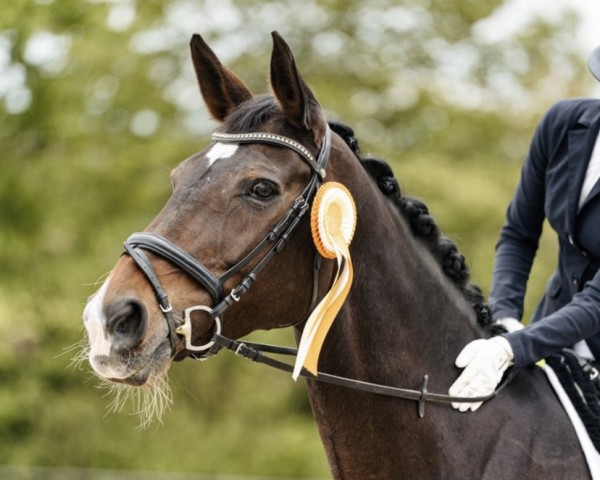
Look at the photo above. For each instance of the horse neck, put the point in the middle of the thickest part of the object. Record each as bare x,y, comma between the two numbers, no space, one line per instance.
402,320
402,309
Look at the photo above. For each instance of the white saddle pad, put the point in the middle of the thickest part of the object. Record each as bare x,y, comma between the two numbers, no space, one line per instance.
591,454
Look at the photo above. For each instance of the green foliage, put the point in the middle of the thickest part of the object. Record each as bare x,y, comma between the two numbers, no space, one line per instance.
85,161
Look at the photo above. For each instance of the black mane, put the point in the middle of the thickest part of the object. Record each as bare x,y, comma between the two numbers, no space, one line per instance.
423,226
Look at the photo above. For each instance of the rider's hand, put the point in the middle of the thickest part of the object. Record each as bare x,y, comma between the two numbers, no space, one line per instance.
484,362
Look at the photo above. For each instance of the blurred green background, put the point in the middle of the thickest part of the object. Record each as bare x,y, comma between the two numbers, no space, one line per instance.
98,102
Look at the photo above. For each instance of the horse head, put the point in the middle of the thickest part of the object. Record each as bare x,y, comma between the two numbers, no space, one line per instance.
233,207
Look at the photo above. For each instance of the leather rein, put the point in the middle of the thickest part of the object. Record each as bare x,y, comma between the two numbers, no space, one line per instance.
272,243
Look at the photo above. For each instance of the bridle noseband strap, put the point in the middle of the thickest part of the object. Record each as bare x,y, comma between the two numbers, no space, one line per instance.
166,249
138,255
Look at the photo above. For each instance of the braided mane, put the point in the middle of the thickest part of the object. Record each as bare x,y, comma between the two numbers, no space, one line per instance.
423,226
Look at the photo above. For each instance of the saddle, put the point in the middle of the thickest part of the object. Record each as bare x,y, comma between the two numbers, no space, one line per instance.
581,381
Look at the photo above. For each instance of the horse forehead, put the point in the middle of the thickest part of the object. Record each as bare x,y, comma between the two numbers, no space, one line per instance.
225,162
251,157
220,151
254,154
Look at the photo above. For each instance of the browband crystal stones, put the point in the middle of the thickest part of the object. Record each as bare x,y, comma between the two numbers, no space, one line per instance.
333,220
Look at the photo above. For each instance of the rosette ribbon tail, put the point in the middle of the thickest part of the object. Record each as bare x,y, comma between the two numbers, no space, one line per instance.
336,229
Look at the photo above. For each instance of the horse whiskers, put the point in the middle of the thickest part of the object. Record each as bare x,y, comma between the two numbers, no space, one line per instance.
149,402
154,402
82,350
100,280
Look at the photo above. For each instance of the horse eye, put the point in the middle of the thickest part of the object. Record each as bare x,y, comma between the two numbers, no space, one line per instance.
263,189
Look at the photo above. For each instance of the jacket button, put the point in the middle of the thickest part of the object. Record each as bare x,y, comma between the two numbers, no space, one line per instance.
571,241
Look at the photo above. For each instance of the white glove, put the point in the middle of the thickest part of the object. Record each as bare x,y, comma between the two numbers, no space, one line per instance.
484,362
510,324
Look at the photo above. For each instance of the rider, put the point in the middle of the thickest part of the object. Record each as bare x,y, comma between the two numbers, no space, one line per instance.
560,181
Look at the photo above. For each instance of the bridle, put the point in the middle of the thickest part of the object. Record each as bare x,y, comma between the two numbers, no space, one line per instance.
271,244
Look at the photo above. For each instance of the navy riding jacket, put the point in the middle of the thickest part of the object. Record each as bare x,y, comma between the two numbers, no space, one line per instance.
549,188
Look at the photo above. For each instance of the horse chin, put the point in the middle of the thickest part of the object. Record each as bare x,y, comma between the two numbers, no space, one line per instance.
144,377
135,368
150,400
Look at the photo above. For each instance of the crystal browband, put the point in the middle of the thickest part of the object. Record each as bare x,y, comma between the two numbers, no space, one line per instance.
270,138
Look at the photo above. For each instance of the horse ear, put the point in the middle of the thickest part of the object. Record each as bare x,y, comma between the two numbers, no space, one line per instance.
221,89
295,97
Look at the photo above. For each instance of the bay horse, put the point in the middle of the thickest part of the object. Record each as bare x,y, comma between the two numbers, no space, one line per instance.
211,265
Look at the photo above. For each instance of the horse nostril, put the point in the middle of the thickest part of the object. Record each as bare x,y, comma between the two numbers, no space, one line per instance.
126,323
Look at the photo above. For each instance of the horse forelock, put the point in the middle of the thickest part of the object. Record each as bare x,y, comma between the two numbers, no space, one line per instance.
262,112
251,114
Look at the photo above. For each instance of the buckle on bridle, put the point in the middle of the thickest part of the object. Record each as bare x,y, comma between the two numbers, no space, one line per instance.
185,329
166,309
